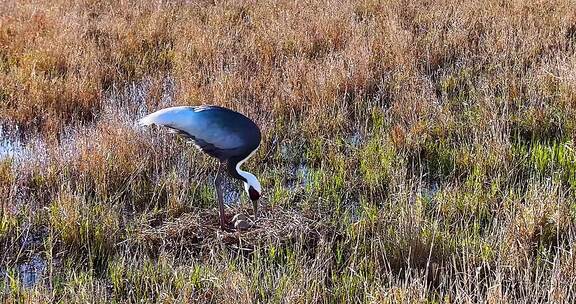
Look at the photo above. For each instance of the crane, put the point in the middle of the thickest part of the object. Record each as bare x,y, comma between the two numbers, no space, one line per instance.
224,134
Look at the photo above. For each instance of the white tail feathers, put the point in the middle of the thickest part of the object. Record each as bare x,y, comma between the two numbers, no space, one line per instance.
168,116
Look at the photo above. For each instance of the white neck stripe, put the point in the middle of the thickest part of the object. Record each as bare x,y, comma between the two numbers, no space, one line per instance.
251,180
245,159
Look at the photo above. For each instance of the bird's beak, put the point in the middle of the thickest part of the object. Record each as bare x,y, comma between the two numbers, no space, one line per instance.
255,207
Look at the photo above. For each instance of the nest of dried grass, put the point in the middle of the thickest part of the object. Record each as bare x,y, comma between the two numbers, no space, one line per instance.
199,230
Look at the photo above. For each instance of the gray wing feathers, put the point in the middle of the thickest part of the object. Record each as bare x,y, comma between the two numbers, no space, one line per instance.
204,128
203,145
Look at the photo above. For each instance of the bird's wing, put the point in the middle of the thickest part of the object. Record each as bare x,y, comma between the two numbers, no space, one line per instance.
210,131
202,145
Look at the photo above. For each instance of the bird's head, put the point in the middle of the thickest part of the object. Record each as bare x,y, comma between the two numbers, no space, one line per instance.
252,187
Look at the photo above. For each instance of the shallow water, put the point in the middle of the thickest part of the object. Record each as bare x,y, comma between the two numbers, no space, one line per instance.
231,196
299,177
431,189
354,140
303,175
10,145
31,272
28,273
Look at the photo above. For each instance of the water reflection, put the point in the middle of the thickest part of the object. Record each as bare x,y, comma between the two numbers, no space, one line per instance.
31,271
10,145
298,176
28,273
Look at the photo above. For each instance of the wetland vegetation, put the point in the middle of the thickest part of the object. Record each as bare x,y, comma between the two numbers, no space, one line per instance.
413,151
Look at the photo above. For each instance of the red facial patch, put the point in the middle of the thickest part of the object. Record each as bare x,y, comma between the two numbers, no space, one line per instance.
254,195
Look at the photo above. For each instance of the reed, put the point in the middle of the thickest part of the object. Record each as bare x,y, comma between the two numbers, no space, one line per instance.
413,152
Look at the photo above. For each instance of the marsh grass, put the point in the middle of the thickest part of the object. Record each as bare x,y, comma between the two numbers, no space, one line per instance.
413,152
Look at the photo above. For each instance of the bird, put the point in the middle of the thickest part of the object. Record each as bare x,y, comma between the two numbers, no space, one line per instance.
222,133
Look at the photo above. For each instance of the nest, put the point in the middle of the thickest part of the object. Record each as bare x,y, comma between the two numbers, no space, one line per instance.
200,231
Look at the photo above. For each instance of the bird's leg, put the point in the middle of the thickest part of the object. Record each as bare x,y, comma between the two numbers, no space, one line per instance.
218,184
255,206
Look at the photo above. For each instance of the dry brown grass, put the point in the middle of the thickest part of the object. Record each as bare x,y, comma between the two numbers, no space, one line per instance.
414,151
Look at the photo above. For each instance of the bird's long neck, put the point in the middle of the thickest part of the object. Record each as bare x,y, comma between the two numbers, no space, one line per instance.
234,164
235,171
248,178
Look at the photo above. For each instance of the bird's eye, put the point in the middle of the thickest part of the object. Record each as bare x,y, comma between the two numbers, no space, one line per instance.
254,195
